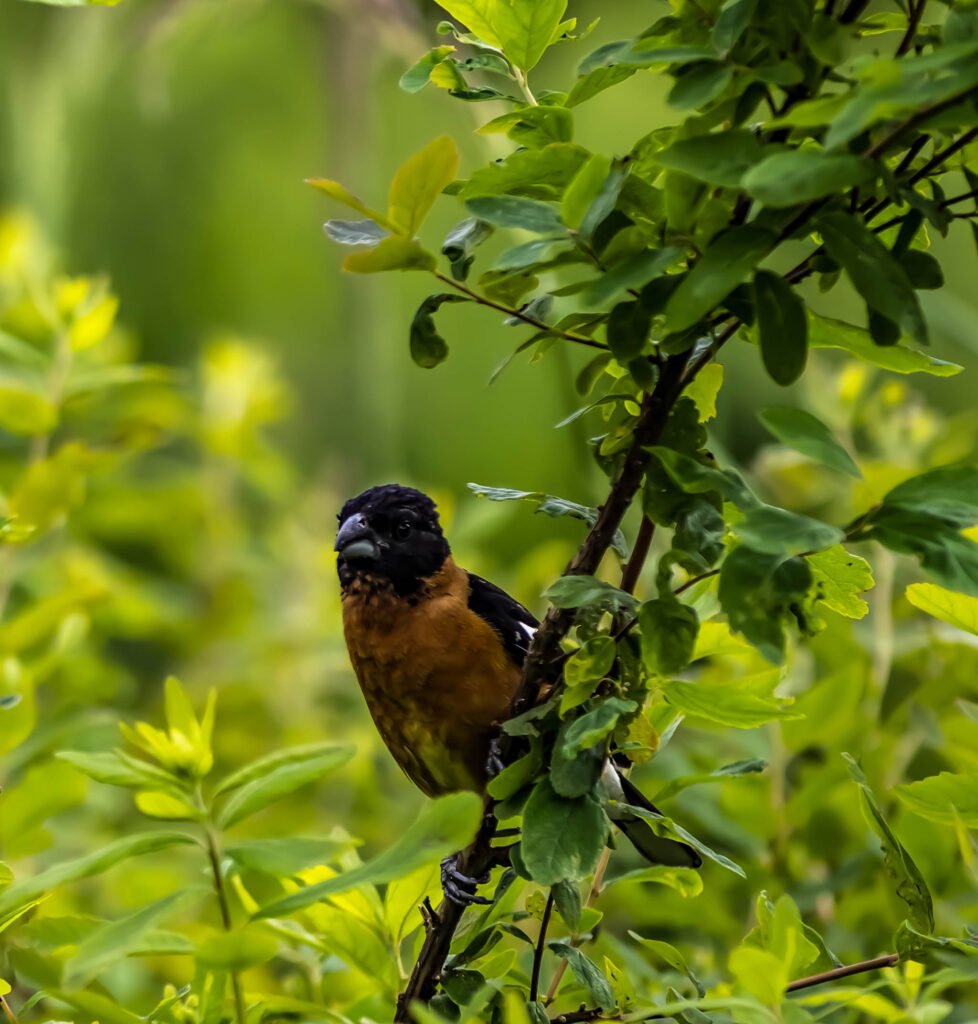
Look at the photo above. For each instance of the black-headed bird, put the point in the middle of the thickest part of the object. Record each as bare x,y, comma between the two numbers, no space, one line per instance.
439,654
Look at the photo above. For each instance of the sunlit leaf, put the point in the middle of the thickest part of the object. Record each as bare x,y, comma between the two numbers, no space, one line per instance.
444,826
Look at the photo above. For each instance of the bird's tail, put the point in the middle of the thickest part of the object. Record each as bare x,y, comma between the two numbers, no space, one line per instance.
657,849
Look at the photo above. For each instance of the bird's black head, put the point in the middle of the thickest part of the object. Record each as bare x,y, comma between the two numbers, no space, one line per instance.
391,533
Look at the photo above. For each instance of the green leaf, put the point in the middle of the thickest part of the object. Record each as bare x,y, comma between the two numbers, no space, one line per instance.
687,882
121,937
950,557
731,22
672,957
550,505
955,609
536,127
355,232
718,158
588,974
838,577
257,794
418,75
585,668
596,725
776,531
728,262
288,856
562,839
567,896
875,273
751,766
428,347
118,769
782,327
96,1007
516,212
697,478
444,825
542,173
698,85
394,253
596,81
807,434
743,703
801,175
237,950
460,245
911,887
946,798
588,592
25,410
263,766
94,863
949,491
825,332
523,29
419,181
630,273
669,631
405,895
583,190
758,592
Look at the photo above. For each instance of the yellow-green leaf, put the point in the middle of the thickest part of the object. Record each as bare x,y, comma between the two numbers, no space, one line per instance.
418,183
947,798
957,610
523,29
394,253
343,195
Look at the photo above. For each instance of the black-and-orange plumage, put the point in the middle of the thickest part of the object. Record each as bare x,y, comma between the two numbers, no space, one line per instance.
439,651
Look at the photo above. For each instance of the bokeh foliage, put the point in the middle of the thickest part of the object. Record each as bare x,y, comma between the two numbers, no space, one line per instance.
154,523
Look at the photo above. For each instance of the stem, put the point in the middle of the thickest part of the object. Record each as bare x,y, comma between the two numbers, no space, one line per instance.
592,895
845,972
7,1011
922,115
640,552
692,581
540,947
523,83
916,12
517,314
214,856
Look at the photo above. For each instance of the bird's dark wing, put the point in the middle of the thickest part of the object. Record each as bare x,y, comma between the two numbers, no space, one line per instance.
514,623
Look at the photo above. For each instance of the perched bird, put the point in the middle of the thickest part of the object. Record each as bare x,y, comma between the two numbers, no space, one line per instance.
438,653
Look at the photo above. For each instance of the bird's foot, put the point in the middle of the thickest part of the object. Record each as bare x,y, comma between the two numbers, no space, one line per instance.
460,888
494,760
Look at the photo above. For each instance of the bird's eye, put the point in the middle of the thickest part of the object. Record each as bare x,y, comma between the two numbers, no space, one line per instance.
403,530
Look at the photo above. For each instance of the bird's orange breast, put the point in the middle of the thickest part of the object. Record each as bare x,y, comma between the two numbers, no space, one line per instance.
435,676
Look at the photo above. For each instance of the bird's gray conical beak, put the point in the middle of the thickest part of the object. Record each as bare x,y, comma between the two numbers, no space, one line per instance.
356,541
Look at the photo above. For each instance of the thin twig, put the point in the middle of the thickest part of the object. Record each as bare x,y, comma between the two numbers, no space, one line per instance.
214,856
640,552
7,1011
540,947
517,314
916,12
845,972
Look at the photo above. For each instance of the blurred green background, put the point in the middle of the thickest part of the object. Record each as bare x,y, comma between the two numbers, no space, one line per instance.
164,143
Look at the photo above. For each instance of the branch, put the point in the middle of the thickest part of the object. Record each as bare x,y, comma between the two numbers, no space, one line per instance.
540,947
916,12
844,972
640,552
517,314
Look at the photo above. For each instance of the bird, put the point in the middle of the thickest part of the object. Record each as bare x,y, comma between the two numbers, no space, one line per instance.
438,652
